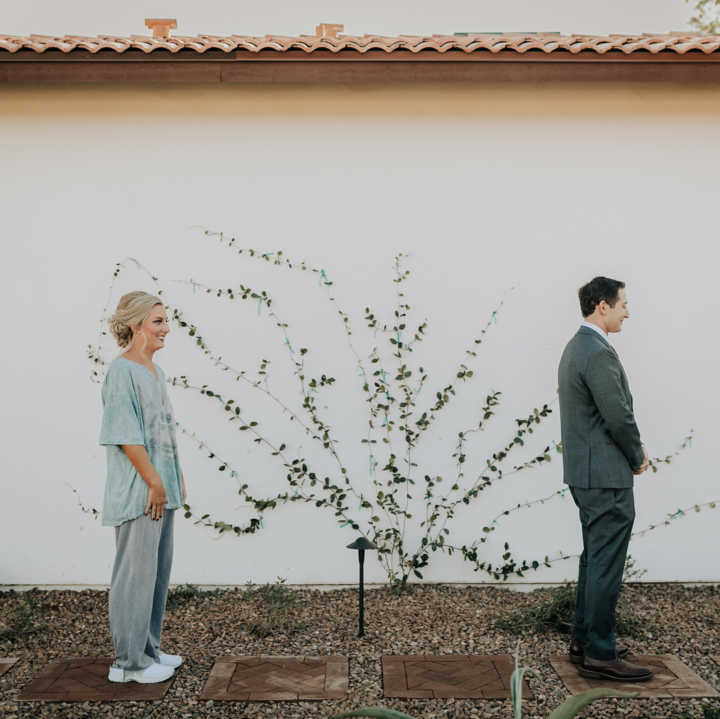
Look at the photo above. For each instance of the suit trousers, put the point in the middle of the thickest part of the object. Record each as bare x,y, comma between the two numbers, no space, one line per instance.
607,517
138,591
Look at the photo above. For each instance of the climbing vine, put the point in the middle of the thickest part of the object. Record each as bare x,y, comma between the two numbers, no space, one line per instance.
706,17
401,412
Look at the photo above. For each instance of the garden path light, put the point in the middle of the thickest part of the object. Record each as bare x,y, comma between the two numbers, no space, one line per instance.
361,544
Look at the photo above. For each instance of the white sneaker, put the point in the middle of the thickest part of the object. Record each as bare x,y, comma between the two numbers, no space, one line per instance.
169,660
153,674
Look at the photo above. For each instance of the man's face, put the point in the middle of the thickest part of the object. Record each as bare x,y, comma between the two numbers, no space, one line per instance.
615,316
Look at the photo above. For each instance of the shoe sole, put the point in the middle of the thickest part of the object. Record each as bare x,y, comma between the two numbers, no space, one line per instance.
591,674
127,680
137,681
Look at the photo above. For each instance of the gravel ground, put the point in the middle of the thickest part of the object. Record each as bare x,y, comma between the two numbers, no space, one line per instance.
433,619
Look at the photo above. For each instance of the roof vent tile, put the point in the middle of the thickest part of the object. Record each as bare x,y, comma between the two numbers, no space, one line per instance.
328,29
160,26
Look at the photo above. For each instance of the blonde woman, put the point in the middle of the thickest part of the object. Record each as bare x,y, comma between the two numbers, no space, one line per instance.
143,489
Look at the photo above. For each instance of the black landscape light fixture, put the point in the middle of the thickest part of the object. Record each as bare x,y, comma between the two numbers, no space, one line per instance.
361,545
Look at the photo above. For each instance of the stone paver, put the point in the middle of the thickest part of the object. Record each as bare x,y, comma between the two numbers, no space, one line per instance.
272,678
85,679
672,678
6,664
425,676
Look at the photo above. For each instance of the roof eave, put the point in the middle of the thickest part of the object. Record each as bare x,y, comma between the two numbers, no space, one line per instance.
266,66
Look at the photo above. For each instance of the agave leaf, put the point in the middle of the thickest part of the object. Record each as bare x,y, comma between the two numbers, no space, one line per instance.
516,684
373,713
573,705
516,688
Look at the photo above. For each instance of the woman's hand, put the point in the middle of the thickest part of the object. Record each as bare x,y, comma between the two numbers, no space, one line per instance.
156,500
182,477
140,459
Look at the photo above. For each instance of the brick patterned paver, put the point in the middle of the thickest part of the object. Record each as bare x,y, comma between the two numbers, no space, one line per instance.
80,679
6,664
672,678
269,678
424,676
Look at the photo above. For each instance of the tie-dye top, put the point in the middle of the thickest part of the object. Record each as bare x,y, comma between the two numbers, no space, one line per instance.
137,410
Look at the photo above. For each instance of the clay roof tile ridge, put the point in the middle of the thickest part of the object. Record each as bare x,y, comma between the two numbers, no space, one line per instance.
677,42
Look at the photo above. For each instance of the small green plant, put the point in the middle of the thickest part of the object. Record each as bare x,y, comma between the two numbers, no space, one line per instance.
516,685
184,594
19,620
277,601
632,572
556,613
277,594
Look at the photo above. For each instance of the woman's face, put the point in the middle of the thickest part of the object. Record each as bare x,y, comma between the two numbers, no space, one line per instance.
150,335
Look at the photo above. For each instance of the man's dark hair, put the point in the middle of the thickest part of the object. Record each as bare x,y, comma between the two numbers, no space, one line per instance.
597,290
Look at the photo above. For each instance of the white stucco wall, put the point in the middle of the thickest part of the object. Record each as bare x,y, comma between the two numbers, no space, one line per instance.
486,189
392,17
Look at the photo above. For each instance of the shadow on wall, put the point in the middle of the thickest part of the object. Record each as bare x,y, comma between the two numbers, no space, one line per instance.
526,102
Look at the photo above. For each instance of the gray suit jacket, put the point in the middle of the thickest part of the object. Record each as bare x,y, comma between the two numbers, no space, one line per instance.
600,440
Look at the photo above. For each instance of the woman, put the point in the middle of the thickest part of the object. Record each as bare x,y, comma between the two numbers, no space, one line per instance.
144,487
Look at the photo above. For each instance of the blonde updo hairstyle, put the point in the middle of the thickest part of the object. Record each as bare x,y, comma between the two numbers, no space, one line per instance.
132,310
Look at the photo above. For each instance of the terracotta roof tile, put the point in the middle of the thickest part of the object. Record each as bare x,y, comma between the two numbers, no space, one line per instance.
678,43
160,26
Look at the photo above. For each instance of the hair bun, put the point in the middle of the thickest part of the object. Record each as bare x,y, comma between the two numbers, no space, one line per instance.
120,331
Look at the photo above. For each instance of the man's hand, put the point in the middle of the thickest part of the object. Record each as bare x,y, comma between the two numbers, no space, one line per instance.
644,464
156,500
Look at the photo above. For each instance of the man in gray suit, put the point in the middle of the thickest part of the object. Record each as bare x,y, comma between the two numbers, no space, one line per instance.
601,453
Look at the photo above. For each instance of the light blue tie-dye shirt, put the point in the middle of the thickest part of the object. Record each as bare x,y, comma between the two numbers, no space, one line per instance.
137,410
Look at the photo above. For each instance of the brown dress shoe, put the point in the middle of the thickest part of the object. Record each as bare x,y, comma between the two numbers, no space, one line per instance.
616,670
577,652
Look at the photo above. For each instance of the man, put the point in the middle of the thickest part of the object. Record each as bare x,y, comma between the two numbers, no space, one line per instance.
601,453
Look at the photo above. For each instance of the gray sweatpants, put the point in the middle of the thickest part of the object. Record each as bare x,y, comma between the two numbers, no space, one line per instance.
141,573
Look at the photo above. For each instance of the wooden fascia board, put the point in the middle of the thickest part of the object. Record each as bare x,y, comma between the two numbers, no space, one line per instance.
532,56
349,66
